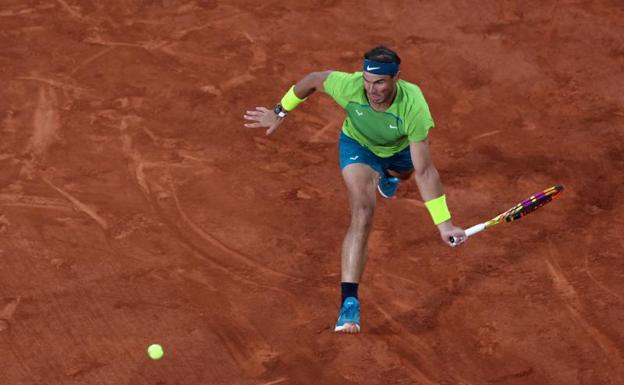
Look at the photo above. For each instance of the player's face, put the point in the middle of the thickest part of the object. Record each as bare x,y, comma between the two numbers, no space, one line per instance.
379,88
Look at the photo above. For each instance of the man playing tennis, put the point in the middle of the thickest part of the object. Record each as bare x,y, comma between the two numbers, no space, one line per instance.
383,141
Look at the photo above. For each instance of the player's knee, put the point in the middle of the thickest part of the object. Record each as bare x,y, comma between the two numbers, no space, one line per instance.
362,214
406,175
403,175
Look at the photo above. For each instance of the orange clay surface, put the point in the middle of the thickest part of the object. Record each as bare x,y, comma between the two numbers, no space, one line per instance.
135,208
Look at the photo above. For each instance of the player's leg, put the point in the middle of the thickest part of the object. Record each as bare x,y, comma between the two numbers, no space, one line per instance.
360,171
403,176
397,168
360,180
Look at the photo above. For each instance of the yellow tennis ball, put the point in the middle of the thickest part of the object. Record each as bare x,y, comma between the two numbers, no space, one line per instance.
155,352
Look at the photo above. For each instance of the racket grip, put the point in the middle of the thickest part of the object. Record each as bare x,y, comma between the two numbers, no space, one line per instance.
475,229
471,231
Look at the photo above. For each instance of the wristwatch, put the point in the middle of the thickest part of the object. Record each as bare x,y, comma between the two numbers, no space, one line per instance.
280,111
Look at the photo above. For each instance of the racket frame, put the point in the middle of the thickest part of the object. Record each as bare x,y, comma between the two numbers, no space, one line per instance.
510,215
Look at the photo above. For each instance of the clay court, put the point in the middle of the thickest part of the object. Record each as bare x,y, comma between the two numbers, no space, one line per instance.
135,207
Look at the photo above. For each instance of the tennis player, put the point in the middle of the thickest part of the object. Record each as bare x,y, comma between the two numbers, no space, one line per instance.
383,141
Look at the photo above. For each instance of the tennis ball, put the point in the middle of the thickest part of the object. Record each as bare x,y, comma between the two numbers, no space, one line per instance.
155,352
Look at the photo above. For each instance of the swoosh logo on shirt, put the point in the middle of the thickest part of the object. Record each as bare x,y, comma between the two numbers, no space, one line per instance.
391,126
359,113
369,68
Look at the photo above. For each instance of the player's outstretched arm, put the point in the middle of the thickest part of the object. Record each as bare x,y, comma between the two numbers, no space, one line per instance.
430,187
272,118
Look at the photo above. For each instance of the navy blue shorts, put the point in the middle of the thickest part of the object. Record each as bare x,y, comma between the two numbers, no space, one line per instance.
353,152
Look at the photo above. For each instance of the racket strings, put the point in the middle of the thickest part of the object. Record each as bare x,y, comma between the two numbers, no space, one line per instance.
531,204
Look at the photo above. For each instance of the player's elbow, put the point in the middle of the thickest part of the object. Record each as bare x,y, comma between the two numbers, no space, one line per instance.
316,79
425,172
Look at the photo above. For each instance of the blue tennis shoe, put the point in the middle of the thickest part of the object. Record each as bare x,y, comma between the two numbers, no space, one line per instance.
387,185
349,317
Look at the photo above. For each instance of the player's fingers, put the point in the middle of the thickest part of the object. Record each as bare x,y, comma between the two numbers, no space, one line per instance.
253,125
460,234
253,113
252,117
262,109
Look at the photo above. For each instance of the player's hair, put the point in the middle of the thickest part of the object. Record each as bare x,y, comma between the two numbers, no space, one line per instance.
382,54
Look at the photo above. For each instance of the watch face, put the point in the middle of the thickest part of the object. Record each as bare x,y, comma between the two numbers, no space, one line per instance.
279,111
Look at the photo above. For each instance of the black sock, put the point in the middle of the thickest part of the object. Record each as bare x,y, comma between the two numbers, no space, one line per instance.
348,289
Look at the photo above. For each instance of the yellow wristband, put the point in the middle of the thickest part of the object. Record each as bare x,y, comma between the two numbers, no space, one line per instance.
290,101
438,210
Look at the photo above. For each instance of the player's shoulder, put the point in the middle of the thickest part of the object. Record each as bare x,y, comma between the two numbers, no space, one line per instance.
412,95
343,83
410,90
344,76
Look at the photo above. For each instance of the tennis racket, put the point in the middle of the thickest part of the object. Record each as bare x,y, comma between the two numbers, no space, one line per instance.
523,208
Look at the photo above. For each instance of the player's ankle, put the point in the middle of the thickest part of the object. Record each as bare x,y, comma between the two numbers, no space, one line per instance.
348,289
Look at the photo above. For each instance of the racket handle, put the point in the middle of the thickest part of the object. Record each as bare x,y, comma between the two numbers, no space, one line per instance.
475,229
471,231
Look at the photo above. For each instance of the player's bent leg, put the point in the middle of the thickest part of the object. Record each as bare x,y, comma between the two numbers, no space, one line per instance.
389,182
388,185
403,176
397,168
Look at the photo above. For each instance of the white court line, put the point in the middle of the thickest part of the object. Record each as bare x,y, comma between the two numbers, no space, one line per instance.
490,133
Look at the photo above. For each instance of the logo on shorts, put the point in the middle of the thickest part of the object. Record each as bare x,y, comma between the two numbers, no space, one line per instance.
359,113
354,157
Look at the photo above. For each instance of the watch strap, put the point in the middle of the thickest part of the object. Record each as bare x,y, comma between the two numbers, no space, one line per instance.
280,111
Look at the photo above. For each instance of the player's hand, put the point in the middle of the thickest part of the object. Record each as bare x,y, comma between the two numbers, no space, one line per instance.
449,231
263,117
